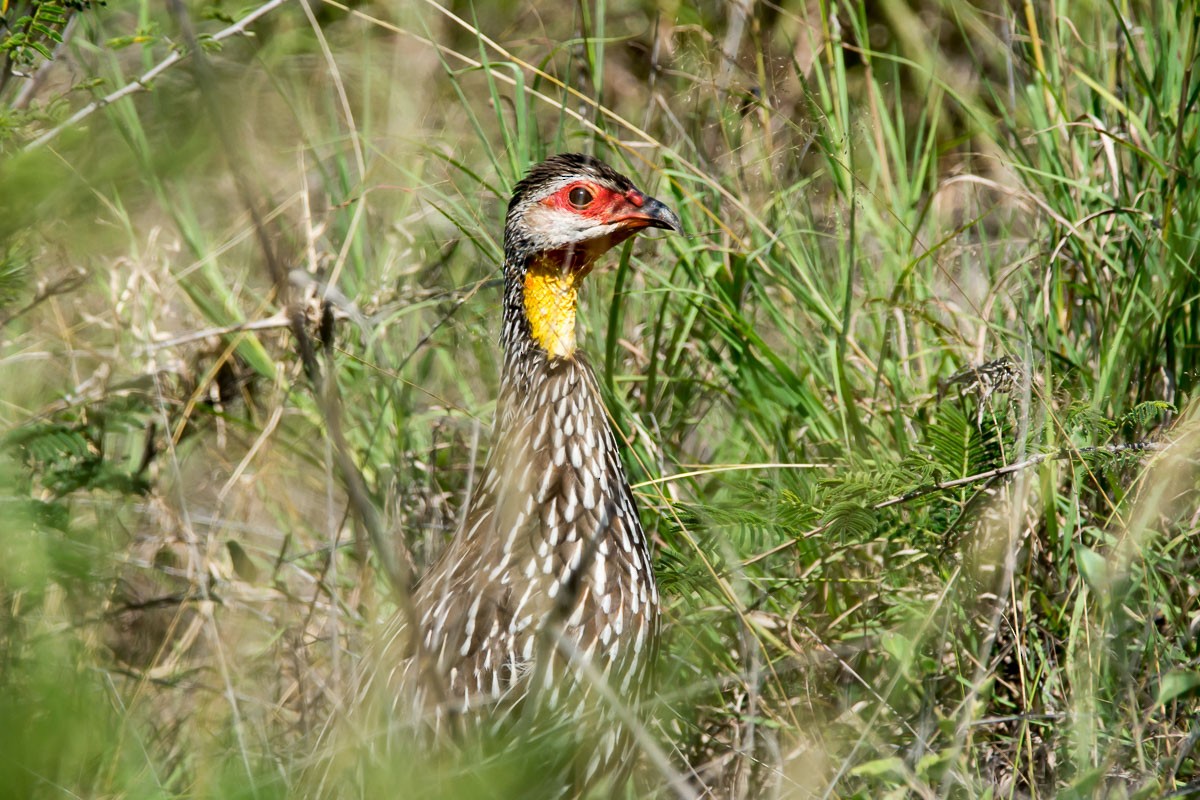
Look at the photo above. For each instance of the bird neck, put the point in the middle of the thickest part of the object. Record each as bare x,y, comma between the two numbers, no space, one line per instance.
541,301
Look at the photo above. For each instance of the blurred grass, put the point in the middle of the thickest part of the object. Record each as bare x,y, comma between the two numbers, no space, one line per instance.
878,195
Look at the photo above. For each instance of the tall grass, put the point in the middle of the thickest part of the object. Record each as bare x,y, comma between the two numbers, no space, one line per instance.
884,576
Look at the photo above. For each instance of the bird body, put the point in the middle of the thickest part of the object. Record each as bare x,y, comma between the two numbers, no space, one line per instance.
530,550
548,589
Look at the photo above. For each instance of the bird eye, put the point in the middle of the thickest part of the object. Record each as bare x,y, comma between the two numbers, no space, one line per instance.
580,197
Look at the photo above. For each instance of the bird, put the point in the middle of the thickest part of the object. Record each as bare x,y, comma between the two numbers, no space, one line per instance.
545,599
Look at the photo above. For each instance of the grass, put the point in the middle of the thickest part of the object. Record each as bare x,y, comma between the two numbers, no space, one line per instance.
877,198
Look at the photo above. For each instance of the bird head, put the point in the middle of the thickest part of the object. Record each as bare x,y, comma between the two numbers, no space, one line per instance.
577,207
567,212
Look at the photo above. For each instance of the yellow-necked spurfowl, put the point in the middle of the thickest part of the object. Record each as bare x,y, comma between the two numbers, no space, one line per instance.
548,588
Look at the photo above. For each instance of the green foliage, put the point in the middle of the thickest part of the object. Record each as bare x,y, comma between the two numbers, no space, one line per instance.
29,30
958,448
33,34
14,275
68,457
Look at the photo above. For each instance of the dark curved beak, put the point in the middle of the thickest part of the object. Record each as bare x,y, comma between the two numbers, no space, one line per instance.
654,214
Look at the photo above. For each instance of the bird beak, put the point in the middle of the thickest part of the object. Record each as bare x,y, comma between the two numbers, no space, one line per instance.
653,214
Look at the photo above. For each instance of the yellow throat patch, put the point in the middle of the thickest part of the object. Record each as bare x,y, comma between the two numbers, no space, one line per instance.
550,296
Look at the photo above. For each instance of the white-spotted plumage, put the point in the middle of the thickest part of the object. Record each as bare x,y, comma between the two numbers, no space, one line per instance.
551,572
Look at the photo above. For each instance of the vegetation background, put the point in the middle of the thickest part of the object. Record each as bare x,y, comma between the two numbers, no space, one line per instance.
885,576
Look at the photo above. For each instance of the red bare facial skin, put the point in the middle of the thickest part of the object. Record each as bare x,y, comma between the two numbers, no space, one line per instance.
631,211
605,205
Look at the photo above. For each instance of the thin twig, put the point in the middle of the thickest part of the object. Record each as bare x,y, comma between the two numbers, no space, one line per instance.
1008,469
38,78
723,468
63,285
941,486
279,320
143,82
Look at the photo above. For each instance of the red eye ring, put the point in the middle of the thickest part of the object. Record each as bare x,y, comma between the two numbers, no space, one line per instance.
580,197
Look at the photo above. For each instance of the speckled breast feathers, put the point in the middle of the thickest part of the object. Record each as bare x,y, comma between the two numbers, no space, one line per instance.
548,587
